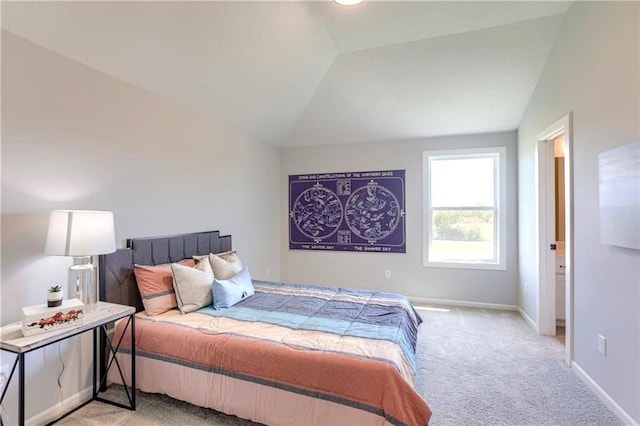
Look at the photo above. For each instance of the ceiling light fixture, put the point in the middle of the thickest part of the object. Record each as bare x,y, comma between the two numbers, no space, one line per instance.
348,2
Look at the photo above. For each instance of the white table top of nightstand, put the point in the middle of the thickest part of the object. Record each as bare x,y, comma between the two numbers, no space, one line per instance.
11,338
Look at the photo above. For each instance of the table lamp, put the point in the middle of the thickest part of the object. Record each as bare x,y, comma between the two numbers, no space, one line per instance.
81,234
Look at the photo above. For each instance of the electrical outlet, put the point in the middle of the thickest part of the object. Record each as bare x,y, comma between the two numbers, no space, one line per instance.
525,286
268,271
3,379
602,344
387,273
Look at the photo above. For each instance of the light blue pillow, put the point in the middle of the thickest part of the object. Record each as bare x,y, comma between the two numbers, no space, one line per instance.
227,293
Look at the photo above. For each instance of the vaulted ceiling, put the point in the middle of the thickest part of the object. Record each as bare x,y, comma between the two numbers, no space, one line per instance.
308,73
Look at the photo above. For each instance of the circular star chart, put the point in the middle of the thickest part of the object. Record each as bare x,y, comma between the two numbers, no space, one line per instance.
372,212
317,212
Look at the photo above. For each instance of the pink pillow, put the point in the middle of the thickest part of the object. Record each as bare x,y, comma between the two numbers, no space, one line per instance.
155,284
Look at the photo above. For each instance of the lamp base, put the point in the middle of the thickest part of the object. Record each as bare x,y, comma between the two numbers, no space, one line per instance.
83,281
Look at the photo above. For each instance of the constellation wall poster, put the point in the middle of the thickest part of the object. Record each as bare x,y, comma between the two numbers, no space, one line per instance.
354,211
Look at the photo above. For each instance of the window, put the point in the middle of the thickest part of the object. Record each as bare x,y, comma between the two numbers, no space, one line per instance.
465,208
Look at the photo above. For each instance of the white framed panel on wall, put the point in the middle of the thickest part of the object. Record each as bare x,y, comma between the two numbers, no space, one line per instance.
619,196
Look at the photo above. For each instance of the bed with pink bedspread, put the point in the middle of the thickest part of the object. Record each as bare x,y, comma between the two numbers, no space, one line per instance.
289,354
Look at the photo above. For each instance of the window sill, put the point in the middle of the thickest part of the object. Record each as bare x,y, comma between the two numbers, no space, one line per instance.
466,265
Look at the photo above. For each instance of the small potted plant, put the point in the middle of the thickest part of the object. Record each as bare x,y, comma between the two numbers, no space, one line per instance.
54,296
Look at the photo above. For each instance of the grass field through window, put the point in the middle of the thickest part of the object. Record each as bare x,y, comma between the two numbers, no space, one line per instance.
443,250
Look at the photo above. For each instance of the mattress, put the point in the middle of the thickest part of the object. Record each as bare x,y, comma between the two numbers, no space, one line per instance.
289,354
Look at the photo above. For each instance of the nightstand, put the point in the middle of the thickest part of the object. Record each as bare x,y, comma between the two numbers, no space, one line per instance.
12,340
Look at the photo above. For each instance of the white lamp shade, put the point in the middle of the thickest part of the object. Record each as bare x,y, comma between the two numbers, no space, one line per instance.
80,233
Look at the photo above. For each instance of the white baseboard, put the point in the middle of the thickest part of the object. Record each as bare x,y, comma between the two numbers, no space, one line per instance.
528,319
603,396
422,301
60,408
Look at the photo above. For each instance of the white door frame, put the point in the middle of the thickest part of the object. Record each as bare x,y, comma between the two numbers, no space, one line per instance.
545,202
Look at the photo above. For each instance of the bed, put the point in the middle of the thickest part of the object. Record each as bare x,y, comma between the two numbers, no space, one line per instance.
288,354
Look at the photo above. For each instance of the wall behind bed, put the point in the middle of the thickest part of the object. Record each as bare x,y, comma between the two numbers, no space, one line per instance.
75,138
408,276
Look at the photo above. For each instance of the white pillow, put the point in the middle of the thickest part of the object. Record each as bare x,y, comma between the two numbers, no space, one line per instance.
225,265
192,285
224,254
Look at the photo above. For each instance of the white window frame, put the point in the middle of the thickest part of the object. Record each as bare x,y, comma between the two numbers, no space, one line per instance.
500,174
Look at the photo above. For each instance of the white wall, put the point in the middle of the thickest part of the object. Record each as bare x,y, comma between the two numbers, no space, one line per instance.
593,71
75,138
408,276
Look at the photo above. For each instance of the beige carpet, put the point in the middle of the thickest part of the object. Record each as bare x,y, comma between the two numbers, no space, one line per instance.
151,410
475,367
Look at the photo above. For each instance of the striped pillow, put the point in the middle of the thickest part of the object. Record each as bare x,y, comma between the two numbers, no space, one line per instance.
155,284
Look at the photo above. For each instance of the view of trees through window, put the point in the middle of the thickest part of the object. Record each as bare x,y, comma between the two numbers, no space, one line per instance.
459,235
463,225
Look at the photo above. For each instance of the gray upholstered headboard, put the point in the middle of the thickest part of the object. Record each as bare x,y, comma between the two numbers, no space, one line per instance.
117,280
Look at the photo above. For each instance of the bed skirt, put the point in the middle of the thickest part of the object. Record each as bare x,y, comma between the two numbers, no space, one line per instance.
245,399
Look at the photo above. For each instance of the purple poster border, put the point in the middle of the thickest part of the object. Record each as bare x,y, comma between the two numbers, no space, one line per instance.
350,211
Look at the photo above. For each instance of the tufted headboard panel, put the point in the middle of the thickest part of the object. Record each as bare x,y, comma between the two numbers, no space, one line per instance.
117,280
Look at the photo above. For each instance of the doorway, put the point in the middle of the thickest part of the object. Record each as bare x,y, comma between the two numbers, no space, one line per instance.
560,265
555,231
